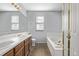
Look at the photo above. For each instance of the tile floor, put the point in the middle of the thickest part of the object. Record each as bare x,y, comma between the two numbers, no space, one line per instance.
40,49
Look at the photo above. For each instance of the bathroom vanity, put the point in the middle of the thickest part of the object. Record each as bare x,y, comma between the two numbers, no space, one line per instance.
9,53
23,48
20,47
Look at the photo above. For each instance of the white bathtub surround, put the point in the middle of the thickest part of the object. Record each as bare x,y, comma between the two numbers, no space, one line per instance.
55,45
55,36
11,40
55,50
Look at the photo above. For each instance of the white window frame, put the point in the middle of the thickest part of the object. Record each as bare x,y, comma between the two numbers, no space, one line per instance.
39,22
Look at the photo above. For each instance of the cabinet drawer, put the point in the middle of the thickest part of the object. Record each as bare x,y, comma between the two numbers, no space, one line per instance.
30,38
9,53
26,41
19,46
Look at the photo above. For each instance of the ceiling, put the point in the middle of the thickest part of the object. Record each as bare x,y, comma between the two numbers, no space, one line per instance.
33,7
7,7
43,6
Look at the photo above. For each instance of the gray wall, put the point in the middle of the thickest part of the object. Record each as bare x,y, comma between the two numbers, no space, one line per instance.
53,24
5,22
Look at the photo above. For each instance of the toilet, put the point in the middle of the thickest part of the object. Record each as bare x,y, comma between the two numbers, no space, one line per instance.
33,41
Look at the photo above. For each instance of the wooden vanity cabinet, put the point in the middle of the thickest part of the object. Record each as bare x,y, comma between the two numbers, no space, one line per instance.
20,52
28,45
10,53
19,49
23,48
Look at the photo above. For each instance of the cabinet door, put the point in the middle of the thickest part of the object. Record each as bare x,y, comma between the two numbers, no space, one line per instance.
20,52
30,43
19,46
19,49
28,46
10,53
26,49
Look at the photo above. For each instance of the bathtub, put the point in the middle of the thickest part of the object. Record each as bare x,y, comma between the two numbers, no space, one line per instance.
55,49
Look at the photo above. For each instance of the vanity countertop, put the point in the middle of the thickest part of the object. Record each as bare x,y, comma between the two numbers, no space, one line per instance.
9,41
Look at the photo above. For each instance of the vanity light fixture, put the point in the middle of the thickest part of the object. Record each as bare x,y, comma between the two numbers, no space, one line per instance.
19,8
13,3
16,6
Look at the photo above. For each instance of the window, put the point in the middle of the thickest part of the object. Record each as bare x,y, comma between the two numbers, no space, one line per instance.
40,23
15,23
